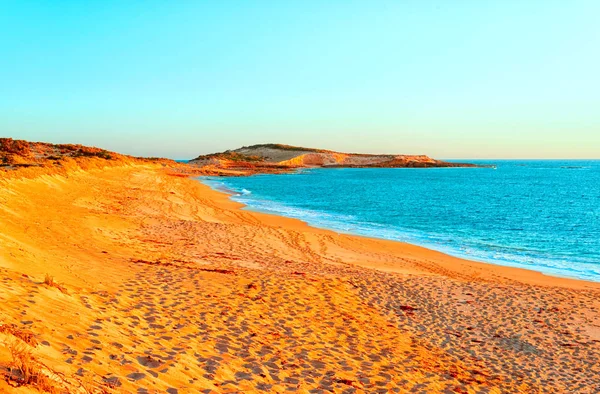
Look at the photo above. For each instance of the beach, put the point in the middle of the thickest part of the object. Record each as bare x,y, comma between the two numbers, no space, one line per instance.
138,278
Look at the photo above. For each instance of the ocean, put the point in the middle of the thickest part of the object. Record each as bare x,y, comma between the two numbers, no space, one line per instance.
537,214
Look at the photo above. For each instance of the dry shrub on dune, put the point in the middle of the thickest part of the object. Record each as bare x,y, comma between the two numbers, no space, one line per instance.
49,281
26,336
17,147
26,371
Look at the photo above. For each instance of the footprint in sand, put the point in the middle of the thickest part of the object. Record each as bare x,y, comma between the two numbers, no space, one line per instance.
135,376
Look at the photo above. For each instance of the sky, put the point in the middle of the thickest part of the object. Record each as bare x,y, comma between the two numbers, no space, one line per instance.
451,79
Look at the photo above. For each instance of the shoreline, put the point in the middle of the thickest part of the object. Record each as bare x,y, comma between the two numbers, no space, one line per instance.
530,275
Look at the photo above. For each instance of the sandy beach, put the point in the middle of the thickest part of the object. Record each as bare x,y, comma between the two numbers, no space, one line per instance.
139,279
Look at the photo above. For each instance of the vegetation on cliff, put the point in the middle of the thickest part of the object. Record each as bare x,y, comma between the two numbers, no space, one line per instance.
283,147
231,156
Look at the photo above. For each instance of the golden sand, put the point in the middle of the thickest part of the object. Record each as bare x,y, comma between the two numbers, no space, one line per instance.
131,279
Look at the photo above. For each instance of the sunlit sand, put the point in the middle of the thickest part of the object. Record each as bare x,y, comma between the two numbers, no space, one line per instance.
128,278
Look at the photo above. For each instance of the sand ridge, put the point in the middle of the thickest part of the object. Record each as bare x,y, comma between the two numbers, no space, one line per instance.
169,287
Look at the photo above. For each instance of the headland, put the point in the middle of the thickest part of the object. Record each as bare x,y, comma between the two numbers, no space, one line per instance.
280,158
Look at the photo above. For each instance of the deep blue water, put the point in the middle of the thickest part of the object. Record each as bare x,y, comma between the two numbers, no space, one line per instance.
541,215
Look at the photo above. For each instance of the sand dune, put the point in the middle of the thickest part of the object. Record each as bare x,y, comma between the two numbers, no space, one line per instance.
163,285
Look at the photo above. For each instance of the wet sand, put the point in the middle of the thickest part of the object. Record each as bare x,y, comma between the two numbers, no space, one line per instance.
164,285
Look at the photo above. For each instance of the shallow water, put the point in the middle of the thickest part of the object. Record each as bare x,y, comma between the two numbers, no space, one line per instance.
541,215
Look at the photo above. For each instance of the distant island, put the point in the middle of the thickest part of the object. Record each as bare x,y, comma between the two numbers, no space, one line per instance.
282,158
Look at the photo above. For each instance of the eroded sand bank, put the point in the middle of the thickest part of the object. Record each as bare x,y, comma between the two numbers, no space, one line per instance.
164,285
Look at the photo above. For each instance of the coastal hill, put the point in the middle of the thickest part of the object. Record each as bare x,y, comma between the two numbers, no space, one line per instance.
21,153
265,157
35,158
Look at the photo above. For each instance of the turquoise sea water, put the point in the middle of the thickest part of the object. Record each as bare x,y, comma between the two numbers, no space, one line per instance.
541,215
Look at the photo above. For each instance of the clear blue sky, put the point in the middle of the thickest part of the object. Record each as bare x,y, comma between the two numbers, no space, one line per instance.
453,79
